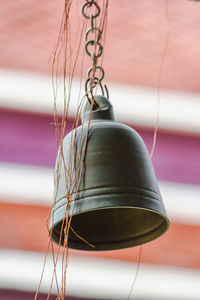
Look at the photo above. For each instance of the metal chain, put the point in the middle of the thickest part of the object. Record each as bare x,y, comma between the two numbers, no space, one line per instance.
93,79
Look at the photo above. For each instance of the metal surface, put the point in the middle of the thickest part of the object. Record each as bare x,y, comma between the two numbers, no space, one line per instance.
118,203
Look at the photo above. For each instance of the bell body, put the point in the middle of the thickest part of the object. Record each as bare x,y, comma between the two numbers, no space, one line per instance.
116,202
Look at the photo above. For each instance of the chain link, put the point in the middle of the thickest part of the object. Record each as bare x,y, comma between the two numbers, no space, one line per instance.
94,49
89,4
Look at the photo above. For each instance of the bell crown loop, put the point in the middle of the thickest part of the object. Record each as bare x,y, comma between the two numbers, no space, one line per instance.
104,111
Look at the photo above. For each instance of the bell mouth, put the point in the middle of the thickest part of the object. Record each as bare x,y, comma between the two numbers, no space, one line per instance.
112,228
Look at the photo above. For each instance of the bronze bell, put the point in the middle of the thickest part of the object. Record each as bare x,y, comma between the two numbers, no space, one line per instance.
118,202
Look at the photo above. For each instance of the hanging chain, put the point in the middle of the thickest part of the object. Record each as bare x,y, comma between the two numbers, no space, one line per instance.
95,74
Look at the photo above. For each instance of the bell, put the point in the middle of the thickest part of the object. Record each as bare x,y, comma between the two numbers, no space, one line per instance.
116,202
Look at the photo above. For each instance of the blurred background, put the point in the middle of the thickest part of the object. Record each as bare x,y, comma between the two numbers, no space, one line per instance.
145,39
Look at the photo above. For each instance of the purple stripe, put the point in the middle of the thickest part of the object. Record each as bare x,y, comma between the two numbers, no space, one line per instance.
21,295
27,138
30,139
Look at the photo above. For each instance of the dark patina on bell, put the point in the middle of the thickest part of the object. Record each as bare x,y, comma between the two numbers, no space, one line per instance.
118,202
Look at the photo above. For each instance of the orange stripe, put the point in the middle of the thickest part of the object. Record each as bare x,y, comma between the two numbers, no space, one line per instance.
23,227
135,58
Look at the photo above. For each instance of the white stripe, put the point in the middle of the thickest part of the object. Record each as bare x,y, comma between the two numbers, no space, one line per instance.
136,105
98,278
34,185
26,184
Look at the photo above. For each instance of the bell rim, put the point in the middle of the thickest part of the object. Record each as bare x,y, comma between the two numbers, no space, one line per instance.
79,246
